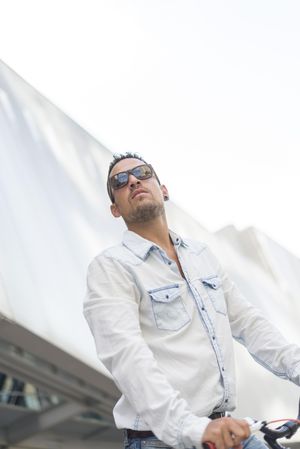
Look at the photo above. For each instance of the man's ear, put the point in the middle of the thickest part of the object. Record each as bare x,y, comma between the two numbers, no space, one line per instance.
165,192
115,210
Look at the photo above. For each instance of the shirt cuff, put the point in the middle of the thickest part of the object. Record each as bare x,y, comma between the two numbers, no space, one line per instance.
192,431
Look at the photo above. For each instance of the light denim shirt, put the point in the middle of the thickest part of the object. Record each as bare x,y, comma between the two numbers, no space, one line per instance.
167,341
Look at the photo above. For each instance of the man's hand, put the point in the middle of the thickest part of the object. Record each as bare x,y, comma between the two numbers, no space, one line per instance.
226,433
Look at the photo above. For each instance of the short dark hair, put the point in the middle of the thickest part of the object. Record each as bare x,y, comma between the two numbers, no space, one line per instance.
117,157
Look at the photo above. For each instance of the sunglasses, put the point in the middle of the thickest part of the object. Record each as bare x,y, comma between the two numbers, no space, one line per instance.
121,179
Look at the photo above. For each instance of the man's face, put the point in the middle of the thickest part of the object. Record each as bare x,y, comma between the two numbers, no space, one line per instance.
140,200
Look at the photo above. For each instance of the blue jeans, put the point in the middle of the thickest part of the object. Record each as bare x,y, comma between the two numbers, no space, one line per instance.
152,443
254,443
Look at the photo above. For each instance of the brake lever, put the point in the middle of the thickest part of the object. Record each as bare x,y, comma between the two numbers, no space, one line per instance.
287,430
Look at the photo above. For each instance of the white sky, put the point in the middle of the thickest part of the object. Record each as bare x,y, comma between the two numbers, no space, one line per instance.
208,91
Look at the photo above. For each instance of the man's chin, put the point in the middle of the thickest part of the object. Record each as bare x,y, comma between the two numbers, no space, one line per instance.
146,211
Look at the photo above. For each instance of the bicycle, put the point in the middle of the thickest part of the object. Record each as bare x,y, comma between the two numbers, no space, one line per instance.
286,430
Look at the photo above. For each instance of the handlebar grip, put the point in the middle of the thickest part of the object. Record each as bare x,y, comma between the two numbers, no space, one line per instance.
208,445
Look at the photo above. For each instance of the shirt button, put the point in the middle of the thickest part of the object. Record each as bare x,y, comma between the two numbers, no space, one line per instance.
226,400
167,296
202,308
223,369
213,337
170,263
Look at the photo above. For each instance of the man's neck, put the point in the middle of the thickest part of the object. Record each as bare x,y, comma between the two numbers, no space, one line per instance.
155,230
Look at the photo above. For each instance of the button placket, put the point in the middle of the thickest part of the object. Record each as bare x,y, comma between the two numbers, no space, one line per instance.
209,327
211,333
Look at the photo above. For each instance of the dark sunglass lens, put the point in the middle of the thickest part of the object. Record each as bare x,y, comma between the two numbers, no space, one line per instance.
119,180
142,172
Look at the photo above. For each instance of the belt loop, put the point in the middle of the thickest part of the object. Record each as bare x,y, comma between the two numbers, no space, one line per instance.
125,437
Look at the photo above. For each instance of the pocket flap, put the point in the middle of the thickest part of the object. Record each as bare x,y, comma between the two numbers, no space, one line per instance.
213,282
165,294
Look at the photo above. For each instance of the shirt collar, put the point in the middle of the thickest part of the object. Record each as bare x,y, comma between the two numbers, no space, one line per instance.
141,247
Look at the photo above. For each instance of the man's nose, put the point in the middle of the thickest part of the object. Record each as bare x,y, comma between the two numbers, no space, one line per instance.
133,181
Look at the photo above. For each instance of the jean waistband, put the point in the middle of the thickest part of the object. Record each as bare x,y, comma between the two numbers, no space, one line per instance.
147,433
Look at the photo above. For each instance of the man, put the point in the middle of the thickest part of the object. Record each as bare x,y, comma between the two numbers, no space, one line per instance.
163,312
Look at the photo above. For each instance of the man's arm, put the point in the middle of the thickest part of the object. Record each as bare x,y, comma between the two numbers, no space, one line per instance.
262,339
112,311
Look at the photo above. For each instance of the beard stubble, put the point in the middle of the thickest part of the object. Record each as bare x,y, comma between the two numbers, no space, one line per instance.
146,212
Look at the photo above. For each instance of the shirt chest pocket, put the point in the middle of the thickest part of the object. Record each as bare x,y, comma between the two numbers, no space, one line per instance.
168,308
213,287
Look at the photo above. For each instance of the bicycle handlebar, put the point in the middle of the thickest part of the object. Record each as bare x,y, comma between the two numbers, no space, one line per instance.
286,430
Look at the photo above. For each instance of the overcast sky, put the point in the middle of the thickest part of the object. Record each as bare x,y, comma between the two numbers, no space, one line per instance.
208,91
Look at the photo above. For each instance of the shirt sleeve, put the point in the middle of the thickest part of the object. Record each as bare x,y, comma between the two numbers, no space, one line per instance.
261,338
111,308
